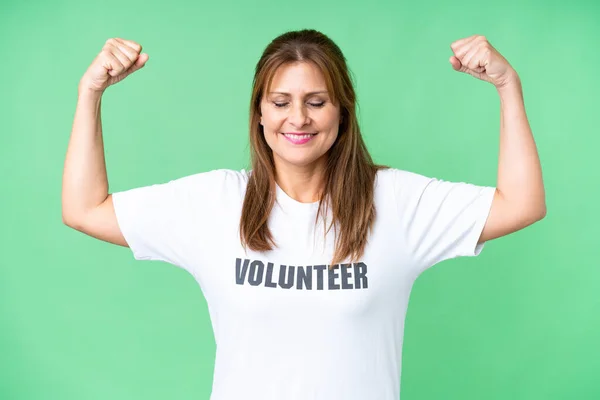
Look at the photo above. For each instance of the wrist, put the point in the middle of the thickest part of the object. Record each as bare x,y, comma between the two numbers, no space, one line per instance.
510,82
87,90
84,91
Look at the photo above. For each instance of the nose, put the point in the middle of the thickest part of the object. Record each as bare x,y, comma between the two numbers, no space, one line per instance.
298,115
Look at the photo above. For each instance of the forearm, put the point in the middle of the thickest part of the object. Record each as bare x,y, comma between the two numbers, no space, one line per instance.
85,184
519,171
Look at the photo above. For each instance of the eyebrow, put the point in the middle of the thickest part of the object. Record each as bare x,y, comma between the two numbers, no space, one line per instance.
308,94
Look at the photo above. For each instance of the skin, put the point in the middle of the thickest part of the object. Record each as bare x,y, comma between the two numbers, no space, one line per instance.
299,168
520,198
518,202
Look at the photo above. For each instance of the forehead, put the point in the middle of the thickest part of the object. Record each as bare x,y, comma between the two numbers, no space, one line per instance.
298,77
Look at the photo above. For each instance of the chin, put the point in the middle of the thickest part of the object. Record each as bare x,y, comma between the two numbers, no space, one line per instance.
298,161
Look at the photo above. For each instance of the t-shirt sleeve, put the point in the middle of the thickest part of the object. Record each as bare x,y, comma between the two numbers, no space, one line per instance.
157,221
441,219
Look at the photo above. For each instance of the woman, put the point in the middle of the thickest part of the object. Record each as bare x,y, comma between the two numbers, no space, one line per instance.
307,260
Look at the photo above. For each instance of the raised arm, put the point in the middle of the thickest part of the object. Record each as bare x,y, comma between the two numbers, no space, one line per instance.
520,199
86,204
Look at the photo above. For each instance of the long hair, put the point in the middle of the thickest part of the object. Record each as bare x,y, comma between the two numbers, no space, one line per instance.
350,172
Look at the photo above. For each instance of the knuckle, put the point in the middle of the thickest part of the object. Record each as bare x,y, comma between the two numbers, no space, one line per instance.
130,44
109,44
130,55
105,53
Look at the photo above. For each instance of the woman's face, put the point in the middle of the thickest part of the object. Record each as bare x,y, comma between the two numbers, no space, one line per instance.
298,102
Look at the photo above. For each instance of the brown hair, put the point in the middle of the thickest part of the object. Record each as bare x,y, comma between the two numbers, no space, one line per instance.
350,172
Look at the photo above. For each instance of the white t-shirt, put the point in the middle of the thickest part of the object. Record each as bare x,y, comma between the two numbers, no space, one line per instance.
285,326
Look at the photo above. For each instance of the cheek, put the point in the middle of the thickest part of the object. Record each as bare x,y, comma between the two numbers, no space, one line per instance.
270,122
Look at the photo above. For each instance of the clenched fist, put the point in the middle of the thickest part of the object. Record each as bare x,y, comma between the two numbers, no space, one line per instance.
475,56
118,59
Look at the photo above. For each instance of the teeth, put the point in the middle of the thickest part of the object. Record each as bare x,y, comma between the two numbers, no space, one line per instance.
297,136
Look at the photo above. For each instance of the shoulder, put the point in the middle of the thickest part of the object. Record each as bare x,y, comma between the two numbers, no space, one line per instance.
217,184
408,184
409,190
401,180
394,187
216,178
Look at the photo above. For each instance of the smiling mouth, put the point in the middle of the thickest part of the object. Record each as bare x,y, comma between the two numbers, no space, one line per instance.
299,139
298,136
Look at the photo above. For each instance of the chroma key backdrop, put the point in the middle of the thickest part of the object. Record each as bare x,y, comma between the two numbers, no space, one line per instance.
82,319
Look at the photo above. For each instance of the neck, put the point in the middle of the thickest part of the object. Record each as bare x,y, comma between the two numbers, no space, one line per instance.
302,183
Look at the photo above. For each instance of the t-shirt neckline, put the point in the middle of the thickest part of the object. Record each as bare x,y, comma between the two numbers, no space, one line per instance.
289,203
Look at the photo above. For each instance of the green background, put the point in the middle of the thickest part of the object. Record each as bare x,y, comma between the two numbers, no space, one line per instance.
81,319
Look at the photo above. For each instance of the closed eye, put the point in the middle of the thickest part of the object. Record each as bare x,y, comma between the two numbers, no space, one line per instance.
281,105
